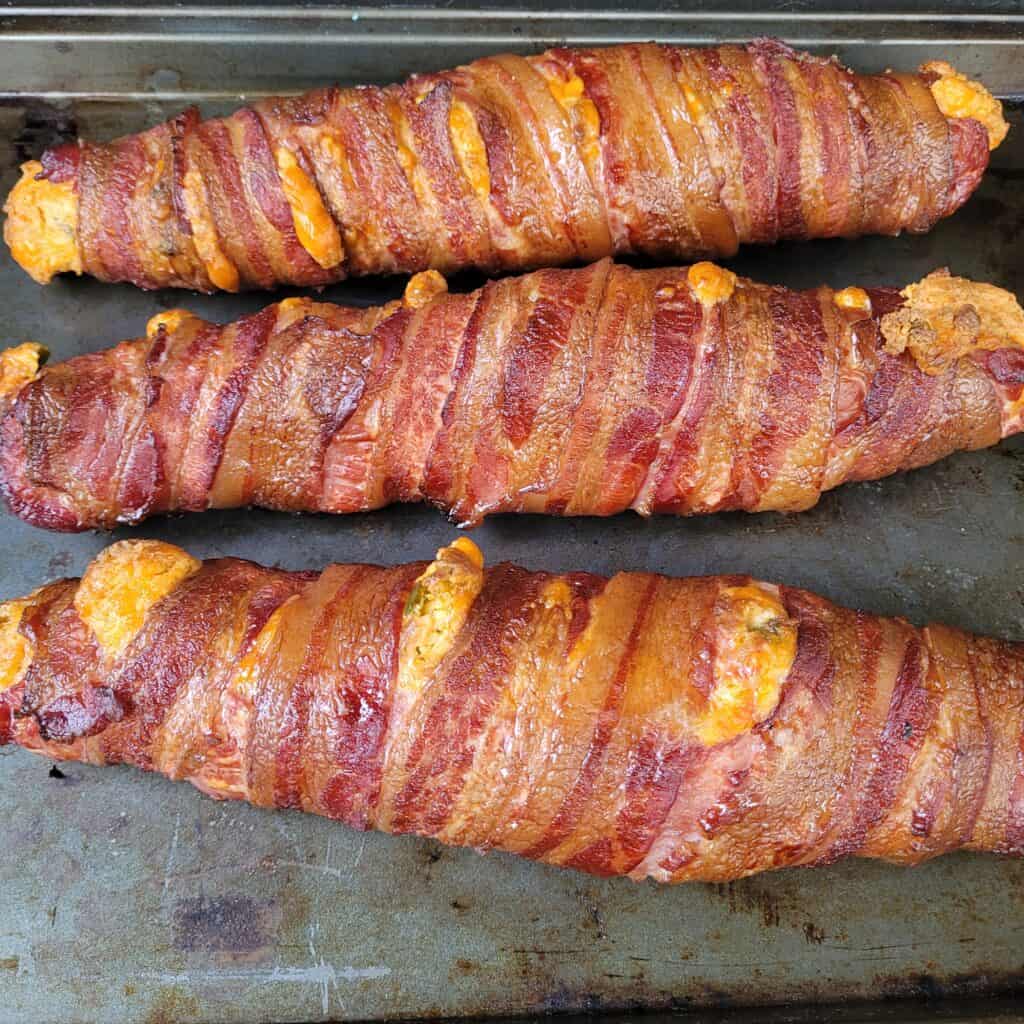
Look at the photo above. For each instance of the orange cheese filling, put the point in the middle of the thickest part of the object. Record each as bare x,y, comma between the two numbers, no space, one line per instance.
469,148
354,236
571,96
756,643
223,274
404,150
944,318
407,160
711,283
15,649
42,225
19,366
853,299
247,673
958,96
424,287
121,585
291,311
436,609
314,226
169,320
694,104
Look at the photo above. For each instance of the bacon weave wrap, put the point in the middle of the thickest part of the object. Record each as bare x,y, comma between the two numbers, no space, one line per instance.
512,163
572,719
577,392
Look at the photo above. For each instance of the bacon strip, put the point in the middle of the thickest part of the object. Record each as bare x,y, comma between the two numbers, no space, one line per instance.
512,163
576,392
575,744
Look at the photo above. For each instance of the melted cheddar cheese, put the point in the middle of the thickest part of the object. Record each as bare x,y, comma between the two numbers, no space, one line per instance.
19,366
710,283
406,159
944,318
436,609
248,670
223,274
755,646
291,311
15,649
855,299
335,153
355,237
314,226
121,585
169,320
694,104
469,148
958,96
570,95
567,91
42,225
423,288
588,122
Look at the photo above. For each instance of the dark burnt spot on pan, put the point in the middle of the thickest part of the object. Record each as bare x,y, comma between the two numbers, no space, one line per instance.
927,988
429,853
747,897
1015,454
221,924
44,125
640,998
593,919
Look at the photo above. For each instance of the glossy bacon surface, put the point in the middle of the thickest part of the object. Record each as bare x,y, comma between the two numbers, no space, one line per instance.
576,392
572,719
511,163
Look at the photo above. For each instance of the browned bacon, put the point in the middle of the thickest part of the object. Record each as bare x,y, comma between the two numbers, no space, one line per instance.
676,729
577,392
515,162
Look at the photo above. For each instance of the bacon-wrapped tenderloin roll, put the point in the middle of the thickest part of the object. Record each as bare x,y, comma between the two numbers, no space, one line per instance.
676,729
512,163
577,392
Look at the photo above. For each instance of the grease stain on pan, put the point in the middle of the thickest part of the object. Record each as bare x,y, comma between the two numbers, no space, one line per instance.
926,987
221,924
171,1007
44,125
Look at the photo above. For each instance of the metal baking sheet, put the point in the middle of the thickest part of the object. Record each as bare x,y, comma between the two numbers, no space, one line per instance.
127,897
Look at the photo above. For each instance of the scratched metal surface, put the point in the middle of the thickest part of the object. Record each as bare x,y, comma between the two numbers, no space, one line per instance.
126,897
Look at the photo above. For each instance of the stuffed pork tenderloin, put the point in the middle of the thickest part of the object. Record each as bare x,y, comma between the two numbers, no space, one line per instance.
567,392
674,729
512,163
